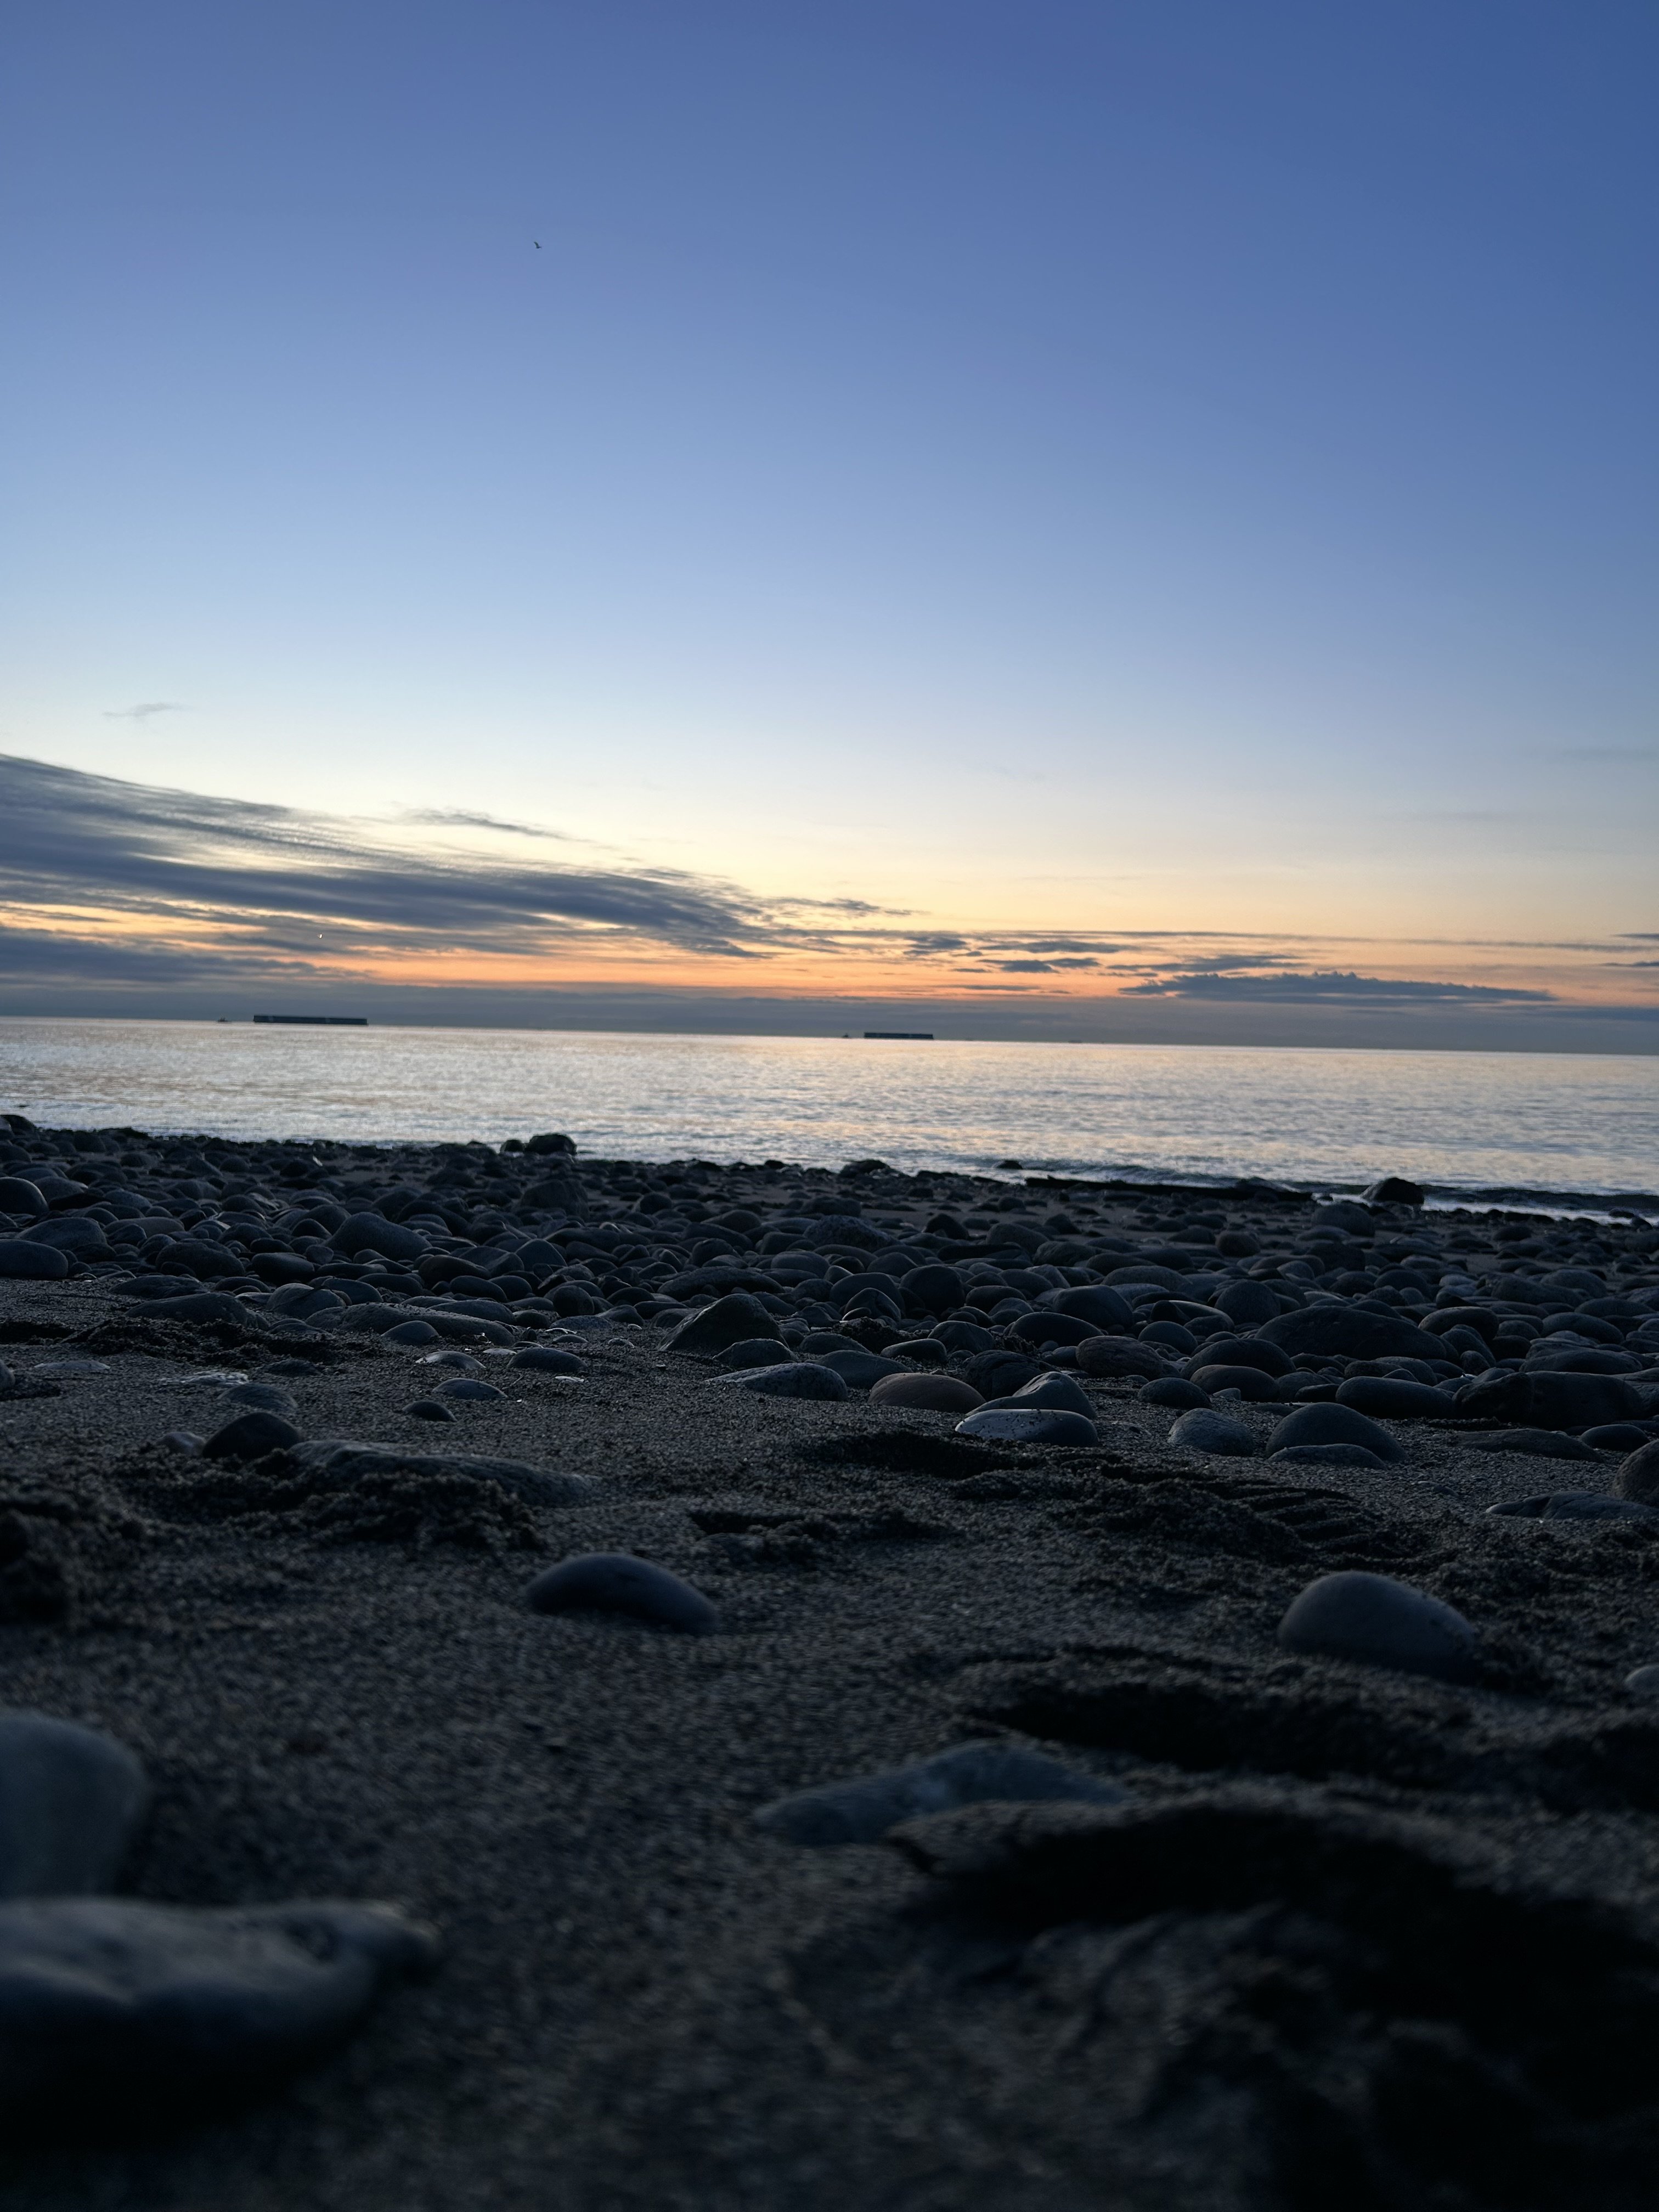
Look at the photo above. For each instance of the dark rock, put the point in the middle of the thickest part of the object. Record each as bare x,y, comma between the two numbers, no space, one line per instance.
755,1352
1052,1389
934,1289
1383,1623
1205,1429
429,1409
251,1436
1545,1401
1333,1425
70,1801
1620,1437
616,1582
372,1232
1047,1327
1222,1351
106,2002
1395,1190
1247,1303
1537,1443
1033,1425
1638,1476
470,1391
20,1196
200,1306
1392,1398
77,1234
1106,1357
547,1359
1575,1506
994,1374
727,1321
1345,1332
803,1378
926,1394
1174,1391
338,1463
1097,1302
863,1809
860,1370
1250,1383
23,1261
1325,1455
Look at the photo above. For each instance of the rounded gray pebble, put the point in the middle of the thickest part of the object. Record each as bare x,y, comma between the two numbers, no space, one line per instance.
1205,1429
70,1801
803,1378
1383,1623
862,1809
616,1582
1032,1425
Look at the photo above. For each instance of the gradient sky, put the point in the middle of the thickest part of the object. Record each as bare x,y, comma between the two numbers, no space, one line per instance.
1077,517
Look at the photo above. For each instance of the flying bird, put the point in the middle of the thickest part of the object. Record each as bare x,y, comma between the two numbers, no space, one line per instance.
537,243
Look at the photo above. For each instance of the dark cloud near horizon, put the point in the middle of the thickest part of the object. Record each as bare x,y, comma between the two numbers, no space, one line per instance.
1335,987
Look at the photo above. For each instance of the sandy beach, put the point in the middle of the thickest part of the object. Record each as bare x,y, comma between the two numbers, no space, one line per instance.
1306,1928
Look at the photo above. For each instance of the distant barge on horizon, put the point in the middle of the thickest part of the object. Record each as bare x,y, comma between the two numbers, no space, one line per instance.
922,1036
318,1021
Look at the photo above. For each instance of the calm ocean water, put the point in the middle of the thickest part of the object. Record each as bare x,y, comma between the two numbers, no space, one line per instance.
1463,1122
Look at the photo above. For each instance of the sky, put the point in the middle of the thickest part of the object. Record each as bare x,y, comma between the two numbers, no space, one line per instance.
1026,519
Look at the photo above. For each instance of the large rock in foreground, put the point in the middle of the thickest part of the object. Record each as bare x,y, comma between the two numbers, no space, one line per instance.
1345,1332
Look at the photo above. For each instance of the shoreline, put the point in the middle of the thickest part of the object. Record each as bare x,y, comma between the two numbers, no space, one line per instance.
1299,1899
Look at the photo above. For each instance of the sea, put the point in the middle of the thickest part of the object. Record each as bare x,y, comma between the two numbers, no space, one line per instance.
1580,1131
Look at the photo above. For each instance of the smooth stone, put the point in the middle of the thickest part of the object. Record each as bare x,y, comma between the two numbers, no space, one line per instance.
1052,1389
547,1359
1108,1356
616,1582
412,1332
1584,1360
77,1234
1575,1506
70,1801
372,1232
429,1409
1047,1327
1206,1430
1173,1391
1642,1682
105,2002
1148,1271
1251,1384
803,1378
1334,1424
996,1374
1095,1302
926,1394
19,1195
1392,1398
817,1341
965,1337
935,1288
251,1436
925,1351
755,1352
278,1269
1248,1302
860,1371
862,1810
1345,1213
207,1262
1620,1437
1547,1401
1036,1424
1325,1455
23,1261
717,1327
183,1440
1395,1190
1348,1331
338,1462
1638,1476
1172,1336
468,1387
200,1305
267,1397
301,1301
1537,1443
1381,1623
461,1362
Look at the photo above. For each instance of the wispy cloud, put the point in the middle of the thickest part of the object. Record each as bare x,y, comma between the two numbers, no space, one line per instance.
1334,987
145,710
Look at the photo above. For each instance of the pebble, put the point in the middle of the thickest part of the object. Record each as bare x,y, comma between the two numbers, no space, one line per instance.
251,1436
1325,1455
429,1409
1542,1400
19,1195
1638,1476
1383,1623
267,1397
803,1378
1250,1383
106,2002
863,1809
925,1351
1538,1443
337,1463
71,1803
755,1352
1205,1429
1047,1327
23,1261
412,1332
547,1359
1108,1356
1642,1682
727,1321
1575,1506
861,1370
1334,1424
926,1394
463,1363
1035,1425
1052,1389
934,1289
1248,1302
616,1582
1173,1391
468,1387
372,1232
1392,1398
183,1440
1348,1331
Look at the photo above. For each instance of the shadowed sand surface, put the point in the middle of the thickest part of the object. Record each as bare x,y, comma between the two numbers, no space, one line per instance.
1348,1928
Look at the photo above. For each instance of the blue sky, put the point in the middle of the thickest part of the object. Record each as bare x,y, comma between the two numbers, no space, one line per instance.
1182,472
